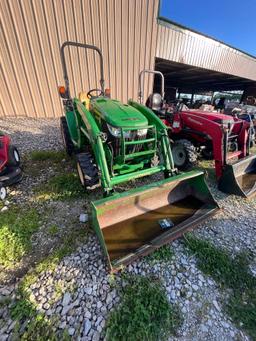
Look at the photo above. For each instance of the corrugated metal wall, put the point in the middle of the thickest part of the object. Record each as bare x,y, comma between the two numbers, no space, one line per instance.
32,32
184,46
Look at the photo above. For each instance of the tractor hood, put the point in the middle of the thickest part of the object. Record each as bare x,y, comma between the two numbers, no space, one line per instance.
117,114
212,116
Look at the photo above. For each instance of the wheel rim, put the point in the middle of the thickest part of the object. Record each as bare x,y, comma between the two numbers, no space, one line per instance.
179,155
3,193
80,173
16,156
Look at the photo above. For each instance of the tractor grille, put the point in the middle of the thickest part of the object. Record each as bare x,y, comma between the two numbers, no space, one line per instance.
129,148
117,143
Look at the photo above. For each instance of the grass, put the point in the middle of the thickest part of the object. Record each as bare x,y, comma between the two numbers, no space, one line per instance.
44,155
16,229
233,274
61,187
208,167
144,312
21,309
164,253
53,230
39,327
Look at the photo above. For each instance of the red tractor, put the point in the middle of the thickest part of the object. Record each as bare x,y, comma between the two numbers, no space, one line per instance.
10,171
224,138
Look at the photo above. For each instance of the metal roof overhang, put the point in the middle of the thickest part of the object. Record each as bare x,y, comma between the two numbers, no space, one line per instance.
191,79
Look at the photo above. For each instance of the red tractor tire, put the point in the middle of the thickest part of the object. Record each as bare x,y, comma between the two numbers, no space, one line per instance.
184,154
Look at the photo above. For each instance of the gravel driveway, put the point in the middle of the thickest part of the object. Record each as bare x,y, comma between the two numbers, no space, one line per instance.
86,296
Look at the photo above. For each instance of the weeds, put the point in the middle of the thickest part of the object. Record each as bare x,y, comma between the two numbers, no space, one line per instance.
208,167
16,228
53,230
164,253
38,327
144,312
231,274
44,155
61,187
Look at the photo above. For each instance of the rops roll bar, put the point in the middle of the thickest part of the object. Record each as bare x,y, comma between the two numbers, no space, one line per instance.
141,84
64,65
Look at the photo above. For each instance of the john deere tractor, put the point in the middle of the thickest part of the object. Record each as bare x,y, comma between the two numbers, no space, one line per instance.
114,143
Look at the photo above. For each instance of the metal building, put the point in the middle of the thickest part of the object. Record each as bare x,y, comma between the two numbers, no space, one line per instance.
131,36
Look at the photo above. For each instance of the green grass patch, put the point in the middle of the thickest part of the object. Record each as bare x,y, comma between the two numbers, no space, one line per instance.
39,327
144,312
208,167
53,230
44,155
231,274
61,187
164,253
16,229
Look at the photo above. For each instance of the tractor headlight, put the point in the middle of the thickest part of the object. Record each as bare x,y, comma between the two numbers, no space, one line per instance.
114,131
142,132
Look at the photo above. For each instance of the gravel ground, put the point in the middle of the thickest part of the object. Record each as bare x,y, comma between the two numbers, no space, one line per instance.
86,296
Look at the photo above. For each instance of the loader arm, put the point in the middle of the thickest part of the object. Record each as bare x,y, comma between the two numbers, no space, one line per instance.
92,132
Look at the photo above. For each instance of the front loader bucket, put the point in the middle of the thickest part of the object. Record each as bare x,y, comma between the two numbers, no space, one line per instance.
239,178
137,222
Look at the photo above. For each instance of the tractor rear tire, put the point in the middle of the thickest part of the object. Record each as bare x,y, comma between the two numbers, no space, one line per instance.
184,154
68,144
87,171
13,157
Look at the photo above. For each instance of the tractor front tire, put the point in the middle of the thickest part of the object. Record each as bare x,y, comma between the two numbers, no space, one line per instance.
87,171
68,144
3,192
184,154
13,157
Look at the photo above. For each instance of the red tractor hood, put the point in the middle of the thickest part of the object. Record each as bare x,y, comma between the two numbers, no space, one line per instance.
212,116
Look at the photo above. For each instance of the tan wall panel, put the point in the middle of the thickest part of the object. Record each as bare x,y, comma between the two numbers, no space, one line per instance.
31,35
184,46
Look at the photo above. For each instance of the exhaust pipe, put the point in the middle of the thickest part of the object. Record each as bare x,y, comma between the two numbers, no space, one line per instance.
137,222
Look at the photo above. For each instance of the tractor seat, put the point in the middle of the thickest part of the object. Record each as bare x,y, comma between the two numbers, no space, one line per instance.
161,113
82,96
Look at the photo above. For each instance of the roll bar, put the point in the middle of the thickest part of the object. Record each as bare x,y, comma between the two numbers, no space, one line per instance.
141,84
64,65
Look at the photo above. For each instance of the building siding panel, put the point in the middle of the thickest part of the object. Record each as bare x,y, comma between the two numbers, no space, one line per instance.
33,31
203,52
128,33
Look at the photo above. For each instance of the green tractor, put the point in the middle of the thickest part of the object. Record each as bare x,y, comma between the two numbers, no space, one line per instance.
114,143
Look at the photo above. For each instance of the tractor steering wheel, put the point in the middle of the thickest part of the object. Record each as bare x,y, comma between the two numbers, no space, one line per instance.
90,96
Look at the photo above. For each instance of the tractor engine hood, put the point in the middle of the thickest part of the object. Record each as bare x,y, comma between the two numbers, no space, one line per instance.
212,116
117,114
